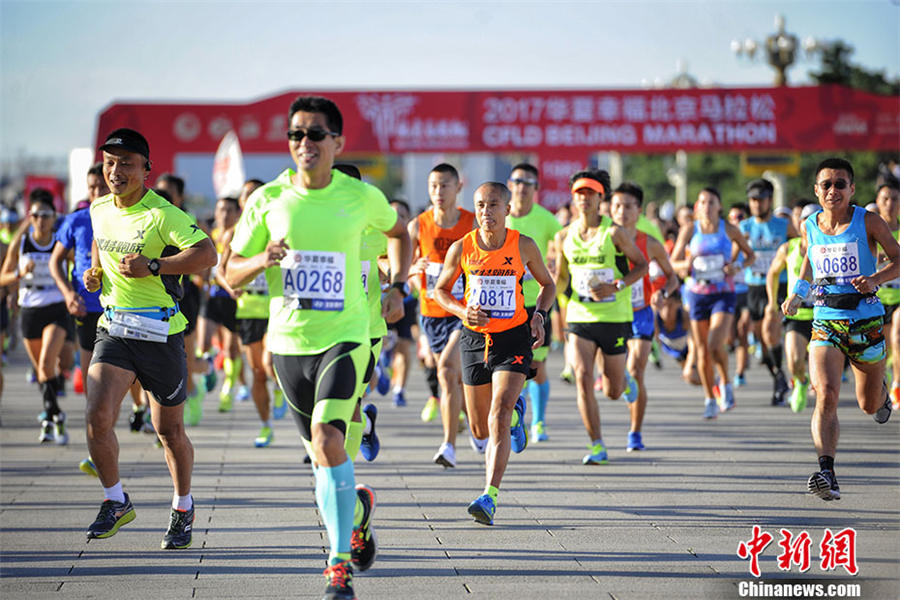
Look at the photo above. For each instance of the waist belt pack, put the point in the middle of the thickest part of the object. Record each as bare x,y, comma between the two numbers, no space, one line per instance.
842,301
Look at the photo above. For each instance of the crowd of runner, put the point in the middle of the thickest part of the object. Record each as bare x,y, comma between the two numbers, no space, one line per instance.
329,293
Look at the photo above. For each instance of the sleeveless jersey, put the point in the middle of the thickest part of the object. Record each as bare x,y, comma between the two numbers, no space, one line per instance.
434,241
710,252
541,226
889,292
37,288
642,289
836,260
591,261
765,238
794,261
494,281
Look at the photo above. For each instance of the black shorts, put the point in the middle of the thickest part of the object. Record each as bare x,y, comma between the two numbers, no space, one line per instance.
438,330
70,328
160,367
35,318
610,338
757,299
4,316
509,351
87,330
889,311
252,330
221,310
548,328
403,327
190,304
740,302
804,328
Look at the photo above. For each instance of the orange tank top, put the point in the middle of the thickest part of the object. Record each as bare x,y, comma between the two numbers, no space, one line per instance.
494,282
642,289
434,241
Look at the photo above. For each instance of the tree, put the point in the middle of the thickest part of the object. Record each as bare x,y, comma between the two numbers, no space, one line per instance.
837,68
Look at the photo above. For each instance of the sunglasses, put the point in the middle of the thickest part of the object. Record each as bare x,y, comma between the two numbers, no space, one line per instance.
315,134
840,184
523,181
43,214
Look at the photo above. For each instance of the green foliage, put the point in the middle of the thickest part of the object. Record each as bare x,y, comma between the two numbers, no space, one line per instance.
837,68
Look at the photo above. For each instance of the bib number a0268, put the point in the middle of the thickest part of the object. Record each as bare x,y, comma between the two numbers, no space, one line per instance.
838,261
313,280
496,295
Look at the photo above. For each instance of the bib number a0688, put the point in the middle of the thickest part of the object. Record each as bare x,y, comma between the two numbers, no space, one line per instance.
313,280
839,261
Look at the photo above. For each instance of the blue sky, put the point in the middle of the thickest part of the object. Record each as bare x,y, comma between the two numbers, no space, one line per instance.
61,63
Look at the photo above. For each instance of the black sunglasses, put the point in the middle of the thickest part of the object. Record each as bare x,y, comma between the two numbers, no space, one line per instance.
316,134
43,214
840,184
523,181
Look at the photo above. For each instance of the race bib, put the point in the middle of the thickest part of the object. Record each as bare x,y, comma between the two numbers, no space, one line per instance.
432,271
709,268
365,267
764,259
313,280
138,327
40,274
584,279
494,294
840,261
637,293
259,285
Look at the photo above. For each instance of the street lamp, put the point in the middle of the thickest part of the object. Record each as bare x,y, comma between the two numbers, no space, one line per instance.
780,49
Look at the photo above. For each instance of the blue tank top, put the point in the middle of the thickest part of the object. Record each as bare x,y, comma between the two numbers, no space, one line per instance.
710,252
838,259
765,238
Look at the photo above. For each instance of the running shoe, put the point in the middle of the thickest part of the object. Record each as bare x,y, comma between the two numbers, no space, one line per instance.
193,408
31,377
370,445
445,456
781,390
482,509
895,397
88,467
279,406
475,445
655,356
46,432
265,437
225,399
597,456
430,412
634,441
179,533
567,375
399,399
740,380
824,485
539,432
631,388
242,394
210,379
136,420
382,381
363,545
518,435
340,582
61,437
111,517
727,398
461,424
799,396
884,413
711,411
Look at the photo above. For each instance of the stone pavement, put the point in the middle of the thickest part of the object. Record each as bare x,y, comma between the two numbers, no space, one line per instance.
663,523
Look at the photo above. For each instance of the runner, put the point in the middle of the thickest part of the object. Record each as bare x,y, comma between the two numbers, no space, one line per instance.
533,220
625,209
797,327
705,250
740,331
766,233
496,343
598,311
887,198
142,244
431,234
42,307
847,315
311,222
405,342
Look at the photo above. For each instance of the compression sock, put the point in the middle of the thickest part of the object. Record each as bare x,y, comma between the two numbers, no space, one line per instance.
540,394
826,463
336,498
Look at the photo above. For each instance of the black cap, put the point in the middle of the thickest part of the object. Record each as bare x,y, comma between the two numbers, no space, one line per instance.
127,139
760,188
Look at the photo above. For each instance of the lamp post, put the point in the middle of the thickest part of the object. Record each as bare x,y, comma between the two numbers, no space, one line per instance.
780,49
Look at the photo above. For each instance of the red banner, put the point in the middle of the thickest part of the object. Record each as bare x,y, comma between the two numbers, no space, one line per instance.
53,184
546,123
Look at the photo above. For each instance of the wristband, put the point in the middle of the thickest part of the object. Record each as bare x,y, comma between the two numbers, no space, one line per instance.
543,314
402,287
801,288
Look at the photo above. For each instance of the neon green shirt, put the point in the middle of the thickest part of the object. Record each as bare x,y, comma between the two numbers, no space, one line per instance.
540,225
374,244
889,292
254,302
794,260
650,228
152,227
316,294
595,258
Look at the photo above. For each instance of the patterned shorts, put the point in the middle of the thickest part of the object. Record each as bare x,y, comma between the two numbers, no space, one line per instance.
861,340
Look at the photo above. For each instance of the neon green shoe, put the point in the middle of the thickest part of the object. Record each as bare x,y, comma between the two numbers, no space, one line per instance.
87,466
430,412
798,396
225,399
193,408
265,437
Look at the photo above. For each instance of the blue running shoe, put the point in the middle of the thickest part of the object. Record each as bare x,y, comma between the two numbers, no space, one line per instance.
483,508
383,382
597,456
400,401
279,406
634,441
539,432
631,388
727,399
518,434
370,445
740,380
